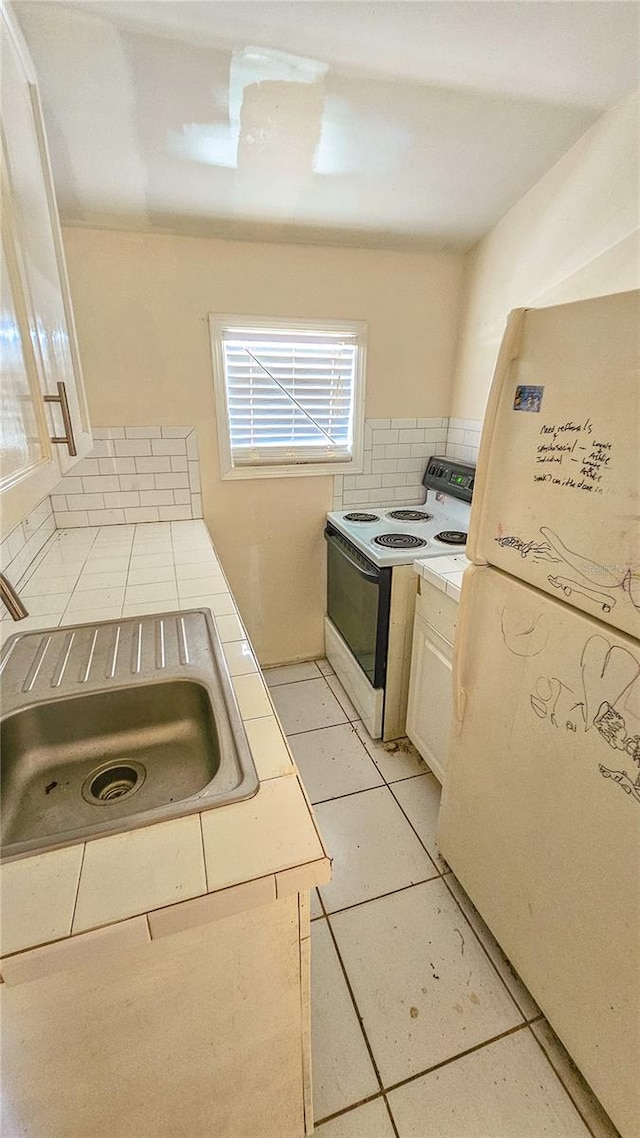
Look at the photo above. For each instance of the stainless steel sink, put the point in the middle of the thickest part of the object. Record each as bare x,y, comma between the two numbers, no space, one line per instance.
106,727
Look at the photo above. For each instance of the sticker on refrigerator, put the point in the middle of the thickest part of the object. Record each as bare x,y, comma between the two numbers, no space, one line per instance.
528,398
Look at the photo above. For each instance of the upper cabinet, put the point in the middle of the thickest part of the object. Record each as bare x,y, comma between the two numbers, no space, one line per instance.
45,426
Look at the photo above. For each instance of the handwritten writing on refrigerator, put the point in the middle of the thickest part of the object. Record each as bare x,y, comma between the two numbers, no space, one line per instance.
573,456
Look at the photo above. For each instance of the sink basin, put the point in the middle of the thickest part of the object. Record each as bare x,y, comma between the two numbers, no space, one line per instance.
111,726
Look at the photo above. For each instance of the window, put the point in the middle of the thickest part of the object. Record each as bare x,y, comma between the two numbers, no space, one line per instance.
289,395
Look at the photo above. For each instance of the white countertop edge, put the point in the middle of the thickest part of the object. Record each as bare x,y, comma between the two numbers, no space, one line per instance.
444,573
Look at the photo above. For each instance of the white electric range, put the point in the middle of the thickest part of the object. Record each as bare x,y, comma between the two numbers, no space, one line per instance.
371,588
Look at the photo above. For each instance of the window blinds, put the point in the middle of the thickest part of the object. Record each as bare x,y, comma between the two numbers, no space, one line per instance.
290,394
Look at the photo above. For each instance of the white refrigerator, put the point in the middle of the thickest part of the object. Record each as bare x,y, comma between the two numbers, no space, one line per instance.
540,816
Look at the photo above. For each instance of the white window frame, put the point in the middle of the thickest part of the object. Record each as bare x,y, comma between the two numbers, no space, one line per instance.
218,323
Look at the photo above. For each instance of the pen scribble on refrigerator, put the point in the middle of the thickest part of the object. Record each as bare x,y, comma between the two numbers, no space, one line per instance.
524,636
609,674
591,578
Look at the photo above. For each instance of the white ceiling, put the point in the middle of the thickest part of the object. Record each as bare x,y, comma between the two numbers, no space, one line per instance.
412,124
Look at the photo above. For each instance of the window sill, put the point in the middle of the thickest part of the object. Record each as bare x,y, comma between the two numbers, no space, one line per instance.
303,470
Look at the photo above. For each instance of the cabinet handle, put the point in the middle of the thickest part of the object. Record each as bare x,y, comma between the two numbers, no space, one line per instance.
67,439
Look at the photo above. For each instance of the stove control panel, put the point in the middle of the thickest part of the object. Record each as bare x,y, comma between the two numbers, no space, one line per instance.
450,477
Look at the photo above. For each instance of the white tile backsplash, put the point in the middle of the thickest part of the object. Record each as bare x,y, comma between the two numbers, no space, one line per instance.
132,474
145,432
463,439
163,484
151,465
395,458
26,540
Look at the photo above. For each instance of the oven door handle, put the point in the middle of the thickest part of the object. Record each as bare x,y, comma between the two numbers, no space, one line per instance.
368,574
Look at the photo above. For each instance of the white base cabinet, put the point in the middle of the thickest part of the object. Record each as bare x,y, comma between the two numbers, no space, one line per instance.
430,706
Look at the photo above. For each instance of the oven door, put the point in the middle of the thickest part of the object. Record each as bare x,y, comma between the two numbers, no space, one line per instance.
358,596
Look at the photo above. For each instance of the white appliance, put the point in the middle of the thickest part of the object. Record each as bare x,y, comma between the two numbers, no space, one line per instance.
371,589
540,816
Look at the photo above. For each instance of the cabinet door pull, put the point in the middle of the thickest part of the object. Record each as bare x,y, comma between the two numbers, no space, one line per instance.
67,439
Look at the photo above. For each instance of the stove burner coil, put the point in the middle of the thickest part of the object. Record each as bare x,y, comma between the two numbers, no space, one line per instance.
399,541
361,518
410,515
451,537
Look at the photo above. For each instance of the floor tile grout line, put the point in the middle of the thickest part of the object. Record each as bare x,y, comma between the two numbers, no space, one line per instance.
440,873
358,1015
351,723
386,1089
388,786
564,1086
486,951
347,794
321,902
329,727
289,683
380,896
378,1096
351,794
349,1109
389,1112
423,844
527,1020
364,790
336,696
385,782
518,1027
407,777
454,1058
309,730
419,774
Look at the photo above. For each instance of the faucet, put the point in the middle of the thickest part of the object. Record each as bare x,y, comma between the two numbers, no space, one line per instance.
12,602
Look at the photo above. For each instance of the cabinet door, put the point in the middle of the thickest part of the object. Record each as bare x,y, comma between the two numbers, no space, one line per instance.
28,467
430,705
39,241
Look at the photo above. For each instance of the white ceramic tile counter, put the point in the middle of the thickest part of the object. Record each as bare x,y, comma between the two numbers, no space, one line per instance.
184,872
444,572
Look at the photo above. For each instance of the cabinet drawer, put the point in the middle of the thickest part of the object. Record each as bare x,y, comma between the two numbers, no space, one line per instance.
437,608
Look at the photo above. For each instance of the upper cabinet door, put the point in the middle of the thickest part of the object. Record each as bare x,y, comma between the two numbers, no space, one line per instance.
29,469
42,271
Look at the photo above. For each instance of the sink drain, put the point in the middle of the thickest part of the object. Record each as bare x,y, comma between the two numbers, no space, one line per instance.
112,782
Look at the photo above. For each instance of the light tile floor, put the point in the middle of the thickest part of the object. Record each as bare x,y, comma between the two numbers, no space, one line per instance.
421,1028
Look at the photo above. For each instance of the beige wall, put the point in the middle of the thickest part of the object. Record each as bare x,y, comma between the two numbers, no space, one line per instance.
573,235
141,303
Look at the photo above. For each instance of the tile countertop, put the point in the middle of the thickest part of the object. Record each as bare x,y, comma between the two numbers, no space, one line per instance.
158,879
444,572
